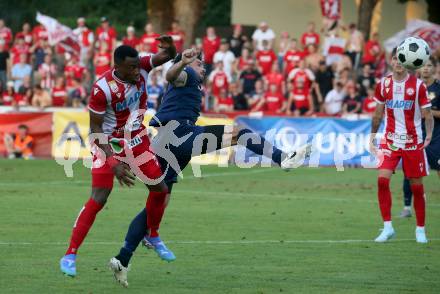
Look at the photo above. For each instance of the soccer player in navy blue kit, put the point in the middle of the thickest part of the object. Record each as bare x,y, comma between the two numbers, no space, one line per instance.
427,73
180,108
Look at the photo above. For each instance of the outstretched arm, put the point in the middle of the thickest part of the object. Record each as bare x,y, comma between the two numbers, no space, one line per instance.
429,124
375,124
167,52
176,74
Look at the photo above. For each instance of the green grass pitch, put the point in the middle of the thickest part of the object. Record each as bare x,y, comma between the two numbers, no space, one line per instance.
233,231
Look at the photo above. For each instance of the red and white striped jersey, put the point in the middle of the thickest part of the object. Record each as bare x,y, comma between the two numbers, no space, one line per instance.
122,104
403,103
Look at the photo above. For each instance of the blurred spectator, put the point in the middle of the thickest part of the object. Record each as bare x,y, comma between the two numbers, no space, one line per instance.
27,84
223,102
272,101
372,51
20,144
313,58
334,99
145,49
263,33
240,102
369,104
292,57
149,37
178,35
77,94
227,57
40,49
10,97
106,34
25,34
18,49
334,48
39,33
211,44
265,58
237,40
365,80
324,78
47,72
59,93
4,63
257,94
86,40
73,70
130,39
218,79
354,45
249,77
310,36
41,98
244,59
20,71
5,35
300,100
283,46
302,75
155,91
275,77
102,61
352,102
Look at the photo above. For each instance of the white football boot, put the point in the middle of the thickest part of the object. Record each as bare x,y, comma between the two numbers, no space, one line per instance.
386,235
421,235
119,271
296,158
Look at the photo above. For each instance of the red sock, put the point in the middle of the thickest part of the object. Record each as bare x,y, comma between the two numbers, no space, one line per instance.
384,195
155,210
82,225
419,203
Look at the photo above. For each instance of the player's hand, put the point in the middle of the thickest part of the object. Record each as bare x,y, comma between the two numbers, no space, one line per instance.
166,43
373,148
123,174
188,56
427,141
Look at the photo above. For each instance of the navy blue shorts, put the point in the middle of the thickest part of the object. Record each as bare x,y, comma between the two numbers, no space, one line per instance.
200,140
433,155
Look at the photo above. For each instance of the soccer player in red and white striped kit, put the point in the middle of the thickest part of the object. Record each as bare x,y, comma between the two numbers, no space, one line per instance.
403,98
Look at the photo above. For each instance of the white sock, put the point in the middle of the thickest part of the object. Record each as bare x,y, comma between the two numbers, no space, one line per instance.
420,229
407,207
387,225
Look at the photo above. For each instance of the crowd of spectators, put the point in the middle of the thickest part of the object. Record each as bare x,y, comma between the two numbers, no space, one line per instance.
318,73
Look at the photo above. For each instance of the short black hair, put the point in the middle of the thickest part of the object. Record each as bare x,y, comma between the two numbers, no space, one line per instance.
433,60
393,53
23,127
123,52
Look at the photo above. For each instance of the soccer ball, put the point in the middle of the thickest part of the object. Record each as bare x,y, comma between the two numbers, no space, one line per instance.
413,53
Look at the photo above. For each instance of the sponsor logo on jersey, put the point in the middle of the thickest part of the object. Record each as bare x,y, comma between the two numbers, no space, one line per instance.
387,82
400,138
400,104
95,91
410,91
120,106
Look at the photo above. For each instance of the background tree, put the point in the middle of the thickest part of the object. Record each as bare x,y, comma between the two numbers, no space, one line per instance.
365,14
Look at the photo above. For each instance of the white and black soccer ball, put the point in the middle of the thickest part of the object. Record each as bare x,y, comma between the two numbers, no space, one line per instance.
413,53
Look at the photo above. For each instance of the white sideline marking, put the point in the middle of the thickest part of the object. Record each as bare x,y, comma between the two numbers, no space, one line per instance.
237,242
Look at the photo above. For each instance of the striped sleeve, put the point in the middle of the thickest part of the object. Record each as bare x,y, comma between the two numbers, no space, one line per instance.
378,97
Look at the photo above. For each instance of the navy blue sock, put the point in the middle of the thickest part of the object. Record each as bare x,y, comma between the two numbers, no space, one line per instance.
135,234
262,148
407,193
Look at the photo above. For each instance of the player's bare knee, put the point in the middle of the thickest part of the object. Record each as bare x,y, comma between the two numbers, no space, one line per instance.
416,181
100,195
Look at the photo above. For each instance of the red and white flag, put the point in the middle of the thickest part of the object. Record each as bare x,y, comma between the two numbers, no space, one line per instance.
428,31
331,9
59,34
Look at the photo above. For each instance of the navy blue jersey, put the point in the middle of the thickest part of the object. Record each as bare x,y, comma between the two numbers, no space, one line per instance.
434,97
182,102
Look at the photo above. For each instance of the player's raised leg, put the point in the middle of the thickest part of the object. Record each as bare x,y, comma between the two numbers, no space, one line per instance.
385,202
